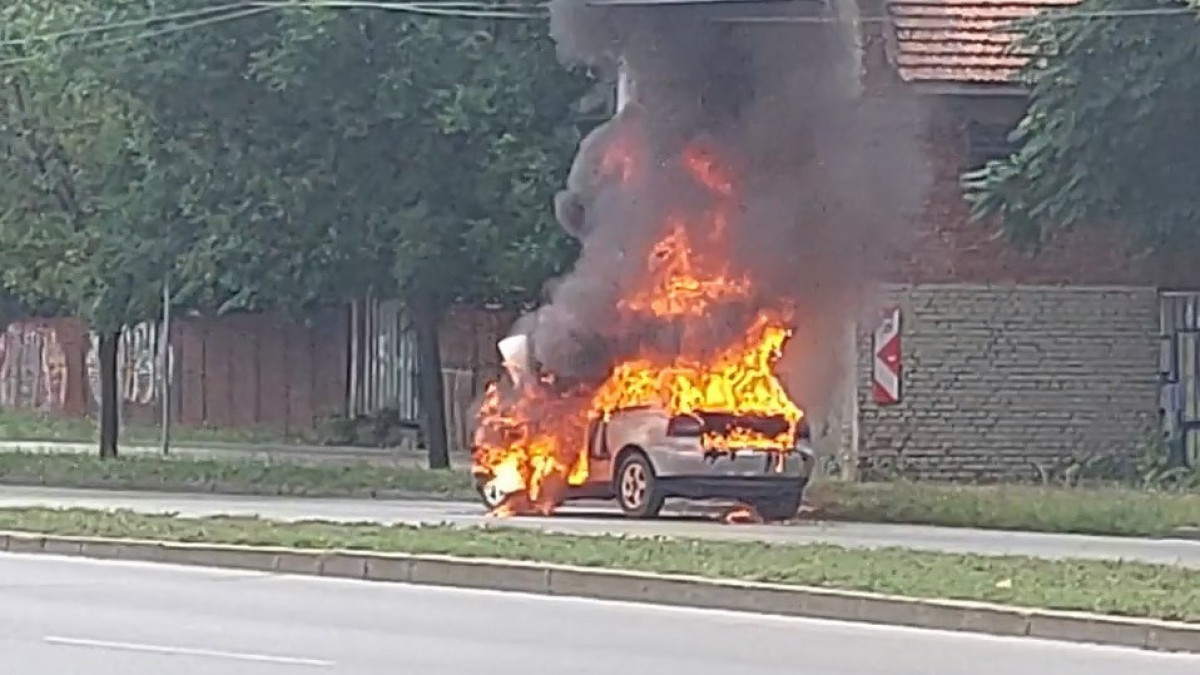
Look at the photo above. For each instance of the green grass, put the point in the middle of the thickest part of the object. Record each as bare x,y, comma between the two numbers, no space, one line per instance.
187,474
1104,511
22,425
1122,588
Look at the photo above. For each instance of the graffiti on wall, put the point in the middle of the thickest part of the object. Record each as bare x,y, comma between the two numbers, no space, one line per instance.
33,368
138,365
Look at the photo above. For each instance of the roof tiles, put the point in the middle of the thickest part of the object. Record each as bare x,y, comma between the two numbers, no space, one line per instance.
961,41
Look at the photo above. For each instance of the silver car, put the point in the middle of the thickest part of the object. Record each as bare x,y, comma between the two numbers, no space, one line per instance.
642,456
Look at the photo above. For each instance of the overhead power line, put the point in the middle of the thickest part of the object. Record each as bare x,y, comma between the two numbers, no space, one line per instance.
463,10
216,14
146,35
119,25
199,18
466,9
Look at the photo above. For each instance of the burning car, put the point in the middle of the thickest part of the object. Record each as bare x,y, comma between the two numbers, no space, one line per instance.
641,455
671,389
707,210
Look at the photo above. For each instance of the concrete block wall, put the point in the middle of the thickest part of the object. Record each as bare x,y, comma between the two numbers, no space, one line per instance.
1000,378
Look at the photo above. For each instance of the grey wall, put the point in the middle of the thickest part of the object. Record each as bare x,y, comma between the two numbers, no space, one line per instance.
997,378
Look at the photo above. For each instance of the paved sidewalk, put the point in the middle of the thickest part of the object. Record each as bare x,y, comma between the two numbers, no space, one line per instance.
600,518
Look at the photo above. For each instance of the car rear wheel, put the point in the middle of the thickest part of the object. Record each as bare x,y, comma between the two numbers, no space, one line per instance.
637,487
783,506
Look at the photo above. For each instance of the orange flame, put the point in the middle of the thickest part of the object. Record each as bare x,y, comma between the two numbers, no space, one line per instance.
678,290
531,442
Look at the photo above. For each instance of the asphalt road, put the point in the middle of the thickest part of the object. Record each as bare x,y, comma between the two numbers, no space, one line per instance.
72,616
602,519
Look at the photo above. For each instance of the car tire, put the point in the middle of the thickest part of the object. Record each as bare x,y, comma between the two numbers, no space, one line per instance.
783,506
636,487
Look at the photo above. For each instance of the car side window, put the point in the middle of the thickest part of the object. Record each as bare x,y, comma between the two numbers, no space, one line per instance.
597,438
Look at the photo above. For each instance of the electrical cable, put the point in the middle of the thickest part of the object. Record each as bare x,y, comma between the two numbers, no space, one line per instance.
211,20
465,10
132,23
481,10
449,9
254,9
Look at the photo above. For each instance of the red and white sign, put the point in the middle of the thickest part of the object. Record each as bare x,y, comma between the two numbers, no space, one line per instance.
885,368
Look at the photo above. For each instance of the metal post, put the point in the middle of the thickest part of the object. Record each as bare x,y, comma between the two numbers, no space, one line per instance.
849,459
624,87
164,364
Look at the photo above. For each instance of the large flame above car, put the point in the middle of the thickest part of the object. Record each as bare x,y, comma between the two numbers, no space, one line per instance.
531,434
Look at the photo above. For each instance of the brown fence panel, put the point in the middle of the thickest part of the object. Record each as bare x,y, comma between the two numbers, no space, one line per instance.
297,345
243,359
217,373
330,362
271,373
259,370
187,347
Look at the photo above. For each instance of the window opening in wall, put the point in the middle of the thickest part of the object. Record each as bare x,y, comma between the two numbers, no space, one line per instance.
986,141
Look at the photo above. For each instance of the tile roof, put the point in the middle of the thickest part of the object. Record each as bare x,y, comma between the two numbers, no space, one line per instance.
960,41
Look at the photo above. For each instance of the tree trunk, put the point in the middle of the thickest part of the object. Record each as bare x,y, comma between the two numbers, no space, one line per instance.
429,384
109,400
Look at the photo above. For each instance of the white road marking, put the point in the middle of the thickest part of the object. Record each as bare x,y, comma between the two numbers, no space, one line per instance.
186,651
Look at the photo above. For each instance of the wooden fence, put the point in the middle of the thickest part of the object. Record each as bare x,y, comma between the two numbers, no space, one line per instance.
244,371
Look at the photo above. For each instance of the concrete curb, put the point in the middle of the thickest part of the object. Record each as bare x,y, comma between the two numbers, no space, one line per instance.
563,580
1185,533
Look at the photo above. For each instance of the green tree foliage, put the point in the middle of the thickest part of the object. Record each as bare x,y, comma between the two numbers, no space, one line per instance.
307,156
81,207
263,218
1112,130
447,137
382,150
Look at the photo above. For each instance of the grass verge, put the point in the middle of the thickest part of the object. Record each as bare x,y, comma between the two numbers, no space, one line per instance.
251,477
1119,588
1101,511
22,425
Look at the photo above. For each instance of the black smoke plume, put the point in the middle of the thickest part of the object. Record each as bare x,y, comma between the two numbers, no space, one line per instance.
826,178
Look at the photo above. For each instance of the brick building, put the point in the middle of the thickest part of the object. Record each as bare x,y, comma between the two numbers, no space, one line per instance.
1009,360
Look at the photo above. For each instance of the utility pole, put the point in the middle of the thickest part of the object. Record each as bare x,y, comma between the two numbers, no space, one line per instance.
164,364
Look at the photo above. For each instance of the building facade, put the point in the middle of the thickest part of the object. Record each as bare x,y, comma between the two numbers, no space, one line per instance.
1011,364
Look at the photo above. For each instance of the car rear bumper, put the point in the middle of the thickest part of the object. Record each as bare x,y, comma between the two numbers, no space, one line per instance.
739,489
687,461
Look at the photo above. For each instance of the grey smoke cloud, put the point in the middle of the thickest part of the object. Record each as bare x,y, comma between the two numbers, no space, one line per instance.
826,181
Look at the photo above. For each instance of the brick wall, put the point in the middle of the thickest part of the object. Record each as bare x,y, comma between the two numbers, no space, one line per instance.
997,378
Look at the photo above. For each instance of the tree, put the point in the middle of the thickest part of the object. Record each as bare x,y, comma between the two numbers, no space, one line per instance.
401,154
304,157
80,204
261,220
1112,128
316,155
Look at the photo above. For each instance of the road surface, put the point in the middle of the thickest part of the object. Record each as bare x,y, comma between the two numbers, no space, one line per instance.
604,520
112,618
